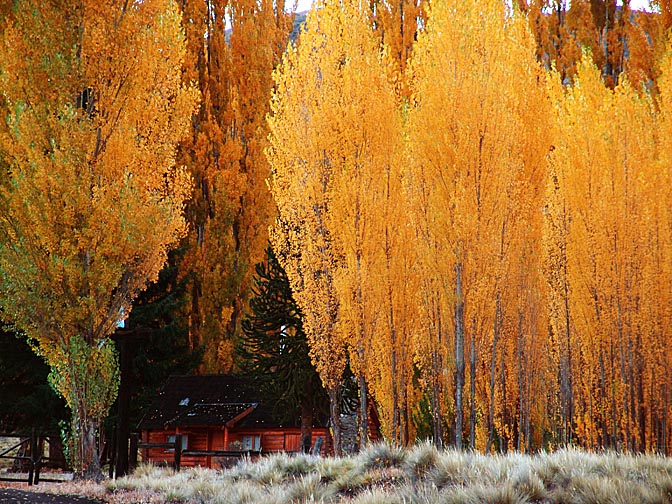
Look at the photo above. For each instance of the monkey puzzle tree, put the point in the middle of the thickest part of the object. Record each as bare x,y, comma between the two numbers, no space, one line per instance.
93,107
273,350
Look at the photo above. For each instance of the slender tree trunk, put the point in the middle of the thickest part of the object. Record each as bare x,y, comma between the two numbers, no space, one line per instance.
566,365
405,435
472,390
603,402
437,367
396,420
493,361
459,355
614,411
437,417
504,438
335,414
364,413
123,401
664,422
522,395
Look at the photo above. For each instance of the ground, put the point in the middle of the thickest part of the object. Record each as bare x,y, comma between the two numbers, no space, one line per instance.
15,496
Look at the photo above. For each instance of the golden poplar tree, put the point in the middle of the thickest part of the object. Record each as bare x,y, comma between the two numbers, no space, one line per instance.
659,252
476,148
604,173
620,40
231,208
333,156
365,192
91,201
389,295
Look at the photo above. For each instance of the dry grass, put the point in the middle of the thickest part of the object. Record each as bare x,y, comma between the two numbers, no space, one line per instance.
6,443
387,475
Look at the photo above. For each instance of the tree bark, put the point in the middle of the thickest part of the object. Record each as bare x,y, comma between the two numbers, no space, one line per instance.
90,461
472,391
493,368
335,414
364,413
459,355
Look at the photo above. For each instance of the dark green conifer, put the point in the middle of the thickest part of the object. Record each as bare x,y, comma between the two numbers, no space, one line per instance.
273,351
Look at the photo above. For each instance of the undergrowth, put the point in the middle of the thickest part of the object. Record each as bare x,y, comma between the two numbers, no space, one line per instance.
383,474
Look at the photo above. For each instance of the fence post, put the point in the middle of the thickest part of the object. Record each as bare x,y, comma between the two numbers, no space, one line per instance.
31,460
37,458
178,451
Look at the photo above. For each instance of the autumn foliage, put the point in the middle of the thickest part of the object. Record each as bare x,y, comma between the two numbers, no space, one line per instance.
490,252
232,48
468,198
93,106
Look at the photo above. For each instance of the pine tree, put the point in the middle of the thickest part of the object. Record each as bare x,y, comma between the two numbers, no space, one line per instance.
25,394
274,351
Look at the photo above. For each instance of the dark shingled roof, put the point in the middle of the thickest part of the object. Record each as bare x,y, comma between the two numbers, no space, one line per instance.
209,400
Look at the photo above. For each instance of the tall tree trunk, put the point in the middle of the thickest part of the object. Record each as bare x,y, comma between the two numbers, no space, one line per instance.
566,371
88,449
493,361
437,417
364,412
472,390
459,355
396,428
396,414
123,401
404,427
504,438
436,395
335,414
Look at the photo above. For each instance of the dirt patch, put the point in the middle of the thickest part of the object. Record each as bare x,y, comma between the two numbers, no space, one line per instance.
73,492
14,496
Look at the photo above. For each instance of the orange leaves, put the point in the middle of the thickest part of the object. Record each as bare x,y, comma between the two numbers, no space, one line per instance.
92,202
334,155
476,150
494,152
607,276
231,207
438,240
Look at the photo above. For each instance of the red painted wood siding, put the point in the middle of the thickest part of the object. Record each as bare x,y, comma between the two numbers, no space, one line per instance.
209,438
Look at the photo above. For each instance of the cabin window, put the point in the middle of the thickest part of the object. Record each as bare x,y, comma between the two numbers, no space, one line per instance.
171,439
252,443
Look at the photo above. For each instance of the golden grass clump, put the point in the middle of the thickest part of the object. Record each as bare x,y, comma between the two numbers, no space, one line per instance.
383,474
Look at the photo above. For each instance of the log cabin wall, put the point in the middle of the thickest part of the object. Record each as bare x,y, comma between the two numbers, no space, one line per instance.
210,438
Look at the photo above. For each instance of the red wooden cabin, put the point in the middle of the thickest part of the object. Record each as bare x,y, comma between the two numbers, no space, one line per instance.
217,413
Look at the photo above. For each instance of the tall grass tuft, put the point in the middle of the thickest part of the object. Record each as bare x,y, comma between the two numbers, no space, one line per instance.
420,461
309,488
381,455
383,474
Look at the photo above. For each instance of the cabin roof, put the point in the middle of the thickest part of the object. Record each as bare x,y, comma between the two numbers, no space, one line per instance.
208,400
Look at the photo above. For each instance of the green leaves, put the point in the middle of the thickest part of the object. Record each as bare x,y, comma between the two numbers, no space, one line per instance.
86,376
